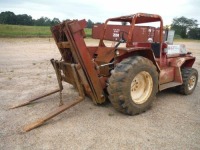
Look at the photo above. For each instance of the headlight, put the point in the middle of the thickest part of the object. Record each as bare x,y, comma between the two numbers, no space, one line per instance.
117,53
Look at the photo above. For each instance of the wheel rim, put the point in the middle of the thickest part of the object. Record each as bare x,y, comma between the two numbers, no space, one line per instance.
191,82
141,87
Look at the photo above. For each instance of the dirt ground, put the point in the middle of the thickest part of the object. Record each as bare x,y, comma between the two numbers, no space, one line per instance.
25,71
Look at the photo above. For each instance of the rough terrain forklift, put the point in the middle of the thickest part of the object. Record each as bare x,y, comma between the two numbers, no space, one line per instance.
128,74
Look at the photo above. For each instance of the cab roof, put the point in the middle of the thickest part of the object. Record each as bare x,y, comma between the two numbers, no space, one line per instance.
139,18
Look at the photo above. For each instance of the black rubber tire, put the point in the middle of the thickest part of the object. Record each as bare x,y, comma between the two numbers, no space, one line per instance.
187,73
120,84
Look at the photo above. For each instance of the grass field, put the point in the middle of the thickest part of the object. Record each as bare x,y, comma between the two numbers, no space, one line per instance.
186,40
28,31
24,31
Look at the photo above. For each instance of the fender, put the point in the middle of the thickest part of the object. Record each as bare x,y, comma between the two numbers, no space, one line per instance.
147,53
182,62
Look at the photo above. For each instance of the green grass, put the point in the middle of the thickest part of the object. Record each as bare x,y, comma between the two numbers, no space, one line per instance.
177,38
186,40
88,32
29,31
24,31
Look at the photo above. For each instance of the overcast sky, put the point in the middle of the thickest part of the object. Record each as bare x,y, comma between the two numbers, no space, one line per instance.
100,10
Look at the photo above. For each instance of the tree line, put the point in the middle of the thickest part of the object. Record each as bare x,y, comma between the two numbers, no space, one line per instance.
9,17
24,19
184,27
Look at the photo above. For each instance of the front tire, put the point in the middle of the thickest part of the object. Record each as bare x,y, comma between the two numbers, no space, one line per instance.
133,85
190,78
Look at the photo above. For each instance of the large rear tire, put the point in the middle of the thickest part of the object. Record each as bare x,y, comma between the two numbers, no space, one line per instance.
133,85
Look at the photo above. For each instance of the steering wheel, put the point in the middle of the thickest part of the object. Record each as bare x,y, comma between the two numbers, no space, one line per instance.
122,38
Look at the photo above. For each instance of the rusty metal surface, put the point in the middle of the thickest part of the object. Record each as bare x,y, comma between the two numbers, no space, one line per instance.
143,18
58,66
35,99
111,31
167,75
58,73
104,55
85,61
52,114
168,85
63,45
139,34
77,81
85,76
92,50
178,61
62,34
135,19
178,75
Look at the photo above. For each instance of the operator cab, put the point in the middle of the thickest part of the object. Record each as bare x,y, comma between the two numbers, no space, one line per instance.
127,34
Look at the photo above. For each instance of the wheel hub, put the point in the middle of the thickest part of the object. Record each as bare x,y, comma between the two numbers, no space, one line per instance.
191,82
141,87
